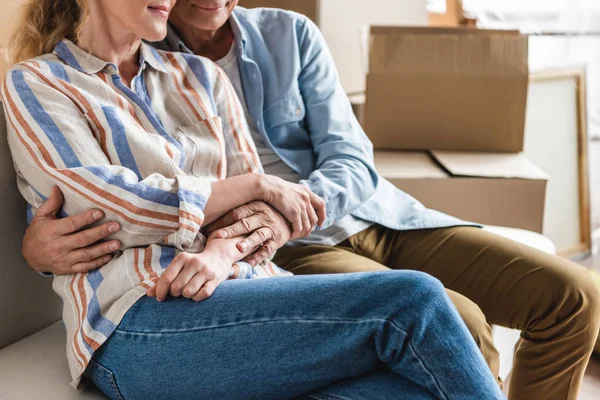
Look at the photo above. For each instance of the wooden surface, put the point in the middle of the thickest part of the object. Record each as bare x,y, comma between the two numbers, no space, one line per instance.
577,76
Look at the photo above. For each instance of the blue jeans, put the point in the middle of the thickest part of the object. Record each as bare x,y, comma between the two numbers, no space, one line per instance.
387,335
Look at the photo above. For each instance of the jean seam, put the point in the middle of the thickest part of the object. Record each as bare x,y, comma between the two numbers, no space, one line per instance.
326,396
109,378
271,320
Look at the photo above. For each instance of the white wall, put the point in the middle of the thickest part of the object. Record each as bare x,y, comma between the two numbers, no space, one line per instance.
341,22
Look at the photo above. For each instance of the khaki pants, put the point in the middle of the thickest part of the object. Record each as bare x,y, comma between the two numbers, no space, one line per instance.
491,280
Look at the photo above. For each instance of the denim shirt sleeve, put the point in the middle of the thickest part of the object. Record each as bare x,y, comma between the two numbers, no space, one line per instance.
345,176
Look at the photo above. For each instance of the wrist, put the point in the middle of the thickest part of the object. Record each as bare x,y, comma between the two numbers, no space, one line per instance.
219,249
261,190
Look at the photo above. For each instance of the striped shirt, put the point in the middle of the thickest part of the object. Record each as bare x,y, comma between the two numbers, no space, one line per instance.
145,154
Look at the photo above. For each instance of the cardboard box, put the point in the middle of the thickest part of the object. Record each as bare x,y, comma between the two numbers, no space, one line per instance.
310,8
446,89
487,188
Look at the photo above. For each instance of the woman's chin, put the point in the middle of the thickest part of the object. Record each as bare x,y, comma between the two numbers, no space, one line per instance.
155,35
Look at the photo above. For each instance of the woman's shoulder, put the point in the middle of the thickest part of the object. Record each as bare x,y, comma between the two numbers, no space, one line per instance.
47,65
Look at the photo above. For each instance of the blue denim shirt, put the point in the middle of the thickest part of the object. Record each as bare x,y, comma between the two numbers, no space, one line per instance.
294,95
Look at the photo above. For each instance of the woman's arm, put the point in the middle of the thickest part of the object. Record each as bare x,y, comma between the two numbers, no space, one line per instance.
52,144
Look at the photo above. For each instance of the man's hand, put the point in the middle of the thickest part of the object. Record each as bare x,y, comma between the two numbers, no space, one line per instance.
63,246
268,229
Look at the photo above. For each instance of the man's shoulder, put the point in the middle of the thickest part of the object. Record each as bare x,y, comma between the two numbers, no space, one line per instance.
270,19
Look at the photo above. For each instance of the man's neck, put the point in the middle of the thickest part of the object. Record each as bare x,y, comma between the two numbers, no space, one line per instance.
210,44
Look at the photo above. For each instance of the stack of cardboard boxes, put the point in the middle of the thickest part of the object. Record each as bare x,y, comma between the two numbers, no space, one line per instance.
445,110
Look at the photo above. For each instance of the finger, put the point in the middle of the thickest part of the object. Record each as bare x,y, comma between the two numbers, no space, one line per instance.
257,238
312,216
164,283
184,277
151,291
231,218
296,226
207,290
194,286
241,228
264,253
320,208
77,222
305,223
88,254
89,236
84,267
52,205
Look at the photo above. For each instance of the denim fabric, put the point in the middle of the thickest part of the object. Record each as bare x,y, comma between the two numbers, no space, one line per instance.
338,336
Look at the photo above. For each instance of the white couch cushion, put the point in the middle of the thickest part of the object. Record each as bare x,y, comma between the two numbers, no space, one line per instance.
36,368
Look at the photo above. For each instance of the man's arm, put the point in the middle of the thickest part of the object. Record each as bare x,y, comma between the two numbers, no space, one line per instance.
345,176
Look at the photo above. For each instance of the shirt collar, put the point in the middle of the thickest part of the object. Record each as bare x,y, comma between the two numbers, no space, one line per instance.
174,43
77,58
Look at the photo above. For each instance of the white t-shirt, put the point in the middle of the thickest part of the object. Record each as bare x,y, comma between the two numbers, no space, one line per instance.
274,165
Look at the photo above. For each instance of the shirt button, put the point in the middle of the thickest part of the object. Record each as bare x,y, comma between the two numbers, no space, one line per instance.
298,112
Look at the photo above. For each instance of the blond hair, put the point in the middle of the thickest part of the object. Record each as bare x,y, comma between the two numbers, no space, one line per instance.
44,23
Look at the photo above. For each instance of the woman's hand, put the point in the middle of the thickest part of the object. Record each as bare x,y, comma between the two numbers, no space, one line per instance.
298,204
267,229
193,276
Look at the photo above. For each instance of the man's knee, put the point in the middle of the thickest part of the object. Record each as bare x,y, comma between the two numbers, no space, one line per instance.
576,300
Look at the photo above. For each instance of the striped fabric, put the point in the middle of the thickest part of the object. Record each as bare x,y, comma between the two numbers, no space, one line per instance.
145,154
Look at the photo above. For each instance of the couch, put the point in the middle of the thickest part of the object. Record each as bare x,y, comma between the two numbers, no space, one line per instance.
32,341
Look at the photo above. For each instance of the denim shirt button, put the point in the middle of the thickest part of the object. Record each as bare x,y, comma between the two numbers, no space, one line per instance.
298,112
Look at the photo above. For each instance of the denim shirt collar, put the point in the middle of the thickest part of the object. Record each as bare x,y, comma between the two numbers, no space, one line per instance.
173,42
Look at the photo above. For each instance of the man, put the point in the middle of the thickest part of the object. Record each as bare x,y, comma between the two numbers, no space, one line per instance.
305,132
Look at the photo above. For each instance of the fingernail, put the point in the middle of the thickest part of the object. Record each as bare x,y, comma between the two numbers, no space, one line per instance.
252,263
244,246
97,215
112,228
106,259
114,246
222,234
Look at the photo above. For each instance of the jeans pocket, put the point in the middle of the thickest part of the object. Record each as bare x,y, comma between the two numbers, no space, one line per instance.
104,380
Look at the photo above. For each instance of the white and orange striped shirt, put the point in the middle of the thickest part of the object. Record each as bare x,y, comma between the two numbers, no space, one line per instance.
145,154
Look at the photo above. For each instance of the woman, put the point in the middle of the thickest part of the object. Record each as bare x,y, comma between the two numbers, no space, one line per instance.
158,143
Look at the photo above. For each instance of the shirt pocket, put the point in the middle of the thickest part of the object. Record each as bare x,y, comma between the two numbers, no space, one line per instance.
125,142
285,121
207,147
289,109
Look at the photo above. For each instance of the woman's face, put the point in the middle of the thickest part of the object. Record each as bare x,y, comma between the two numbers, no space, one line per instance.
208,15
146,19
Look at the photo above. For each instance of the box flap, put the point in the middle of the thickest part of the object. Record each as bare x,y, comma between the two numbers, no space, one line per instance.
489,165
405,164
448,51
